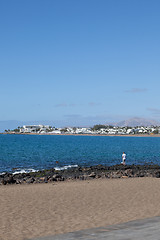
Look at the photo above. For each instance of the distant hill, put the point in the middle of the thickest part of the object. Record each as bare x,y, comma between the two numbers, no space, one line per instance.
133,122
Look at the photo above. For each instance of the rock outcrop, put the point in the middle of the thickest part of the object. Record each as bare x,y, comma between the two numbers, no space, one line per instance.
81,173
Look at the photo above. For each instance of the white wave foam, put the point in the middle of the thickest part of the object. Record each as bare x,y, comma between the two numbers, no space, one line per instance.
18,171
2,173
65,167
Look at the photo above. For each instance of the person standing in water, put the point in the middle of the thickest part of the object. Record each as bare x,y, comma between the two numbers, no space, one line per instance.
124,158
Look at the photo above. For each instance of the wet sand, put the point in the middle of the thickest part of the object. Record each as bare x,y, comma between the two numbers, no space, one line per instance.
34,210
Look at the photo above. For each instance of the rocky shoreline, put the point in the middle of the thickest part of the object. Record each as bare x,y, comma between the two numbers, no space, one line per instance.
82,173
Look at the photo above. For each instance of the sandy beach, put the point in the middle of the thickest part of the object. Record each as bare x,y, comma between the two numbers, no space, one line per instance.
34,210
84,134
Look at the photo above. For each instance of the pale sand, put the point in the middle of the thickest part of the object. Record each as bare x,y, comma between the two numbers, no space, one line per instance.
28,211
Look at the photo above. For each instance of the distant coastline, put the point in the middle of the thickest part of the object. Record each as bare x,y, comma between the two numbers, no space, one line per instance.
99,129
84,134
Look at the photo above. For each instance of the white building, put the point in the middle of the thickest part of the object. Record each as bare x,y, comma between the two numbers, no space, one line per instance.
33,128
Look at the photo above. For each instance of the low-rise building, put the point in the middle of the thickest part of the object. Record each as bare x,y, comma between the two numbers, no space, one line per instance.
33,128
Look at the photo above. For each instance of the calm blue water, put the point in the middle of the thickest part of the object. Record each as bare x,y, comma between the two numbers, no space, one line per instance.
41,152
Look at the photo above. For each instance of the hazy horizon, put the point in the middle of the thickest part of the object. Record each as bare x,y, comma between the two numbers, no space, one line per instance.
12,124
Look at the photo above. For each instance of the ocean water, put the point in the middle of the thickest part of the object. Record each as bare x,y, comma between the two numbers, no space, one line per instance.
22,153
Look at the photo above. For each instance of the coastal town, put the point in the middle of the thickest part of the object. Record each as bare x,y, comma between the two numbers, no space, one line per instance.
95,130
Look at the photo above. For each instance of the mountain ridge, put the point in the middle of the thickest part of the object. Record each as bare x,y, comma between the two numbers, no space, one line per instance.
136,121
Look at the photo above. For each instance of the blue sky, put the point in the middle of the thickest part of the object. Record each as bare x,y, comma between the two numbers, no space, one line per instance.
72,63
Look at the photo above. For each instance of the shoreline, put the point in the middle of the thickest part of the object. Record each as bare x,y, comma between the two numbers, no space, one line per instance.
81,173
68,134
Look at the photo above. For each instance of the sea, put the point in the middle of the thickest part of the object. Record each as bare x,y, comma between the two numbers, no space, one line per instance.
29,153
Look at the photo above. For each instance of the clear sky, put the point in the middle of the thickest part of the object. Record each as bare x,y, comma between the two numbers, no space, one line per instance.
79,62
